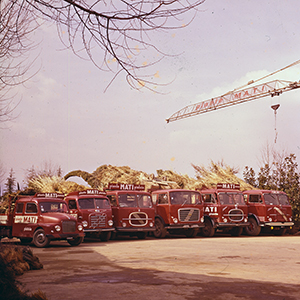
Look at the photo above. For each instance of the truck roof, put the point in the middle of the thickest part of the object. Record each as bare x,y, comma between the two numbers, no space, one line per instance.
173,190
88,192
264,191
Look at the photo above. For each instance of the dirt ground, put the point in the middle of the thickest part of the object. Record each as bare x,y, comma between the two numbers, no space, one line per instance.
264,267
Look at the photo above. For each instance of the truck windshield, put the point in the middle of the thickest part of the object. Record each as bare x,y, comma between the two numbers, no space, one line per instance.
93,203
232,198
184,197
54,206
135,200
283,199
271,199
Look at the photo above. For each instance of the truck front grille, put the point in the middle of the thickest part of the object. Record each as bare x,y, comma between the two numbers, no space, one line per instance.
68,226
235,215
189,214
97,220
138,219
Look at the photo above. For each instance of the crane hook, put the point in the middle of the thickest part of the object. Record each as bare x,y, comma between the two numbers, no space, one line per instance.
275,107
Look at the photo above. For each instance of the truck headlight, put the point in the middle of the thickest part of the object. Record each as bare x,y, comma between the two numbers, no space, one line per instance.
245,220
80,227
110,222
85,224
151,224
57,228
175,220
225,220
124,224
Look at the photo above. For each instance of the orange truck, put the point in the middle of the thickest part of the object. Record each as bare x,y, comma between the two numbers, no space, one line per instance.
40,219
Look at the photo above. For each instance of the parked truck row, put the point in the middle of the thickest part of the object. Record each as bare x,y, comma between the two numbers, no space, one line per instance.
127,209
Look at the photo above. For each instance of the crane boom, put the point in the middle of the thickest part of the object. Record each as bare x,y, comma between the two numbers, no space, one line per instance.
271,88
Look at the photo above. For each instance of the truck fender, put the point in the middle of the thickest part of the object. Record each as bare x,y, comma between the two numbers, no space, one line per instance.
211,221
159,217
255,217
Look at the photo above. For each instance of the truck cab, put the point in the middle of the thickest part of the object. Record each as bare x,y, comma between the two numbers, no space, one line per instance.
224,210
177,211
41,219
268,210
93,209
132,208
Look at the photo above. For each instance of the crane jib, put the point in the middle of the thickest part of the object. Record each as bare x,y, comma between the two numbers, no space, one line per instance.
272,88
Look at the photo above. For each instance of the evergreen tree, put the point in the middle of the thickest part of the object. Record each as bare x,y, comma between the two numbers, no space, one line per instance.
10,182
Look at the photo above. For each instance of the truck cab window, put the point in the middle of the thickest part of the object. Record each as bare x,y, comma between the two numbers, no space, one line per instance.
162,199
31,208
72,204
19,208
254,199
112,200
209,198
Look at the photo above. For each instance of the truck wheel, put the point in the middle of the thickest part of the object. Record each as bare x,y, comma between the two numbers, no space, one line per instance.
253,229
40,239
160,230
76,241
191,233
236,231
208,229
105,236
280,232
141,235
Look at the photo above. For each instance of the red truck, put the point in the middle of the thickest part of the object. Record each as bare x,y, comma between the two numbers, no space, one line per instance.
93,209
41,219
224,210
133,212
177,211
268,210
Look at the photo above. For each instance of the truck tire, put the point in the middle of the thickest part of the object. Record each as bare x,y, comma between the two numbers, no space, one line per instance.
253,229
105,236
141,235
160,230
76,241
208,229
191,233
236,231
40,239
280,232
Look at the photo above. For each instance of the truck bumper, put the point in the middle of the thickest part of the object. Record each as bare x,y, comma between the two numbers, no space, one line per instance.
229,225
64,236
98,230
135,229
185,226
278,224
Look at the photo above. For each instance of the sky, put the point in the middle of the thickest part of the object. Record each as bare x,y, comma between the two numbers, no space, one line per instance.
67,116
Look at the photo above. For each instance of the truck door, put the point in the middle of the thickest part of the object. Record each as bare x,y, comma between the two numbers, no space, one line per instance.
272,207
257,207
211,206
25,220
73,208
162,207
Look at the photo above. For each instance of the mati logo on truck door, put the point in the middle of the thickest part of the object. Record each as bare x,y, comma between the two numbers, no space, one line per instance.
26,219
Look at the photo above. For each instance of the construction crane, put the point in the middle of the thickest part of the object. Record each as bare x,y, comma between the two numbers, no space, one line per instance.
271,88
